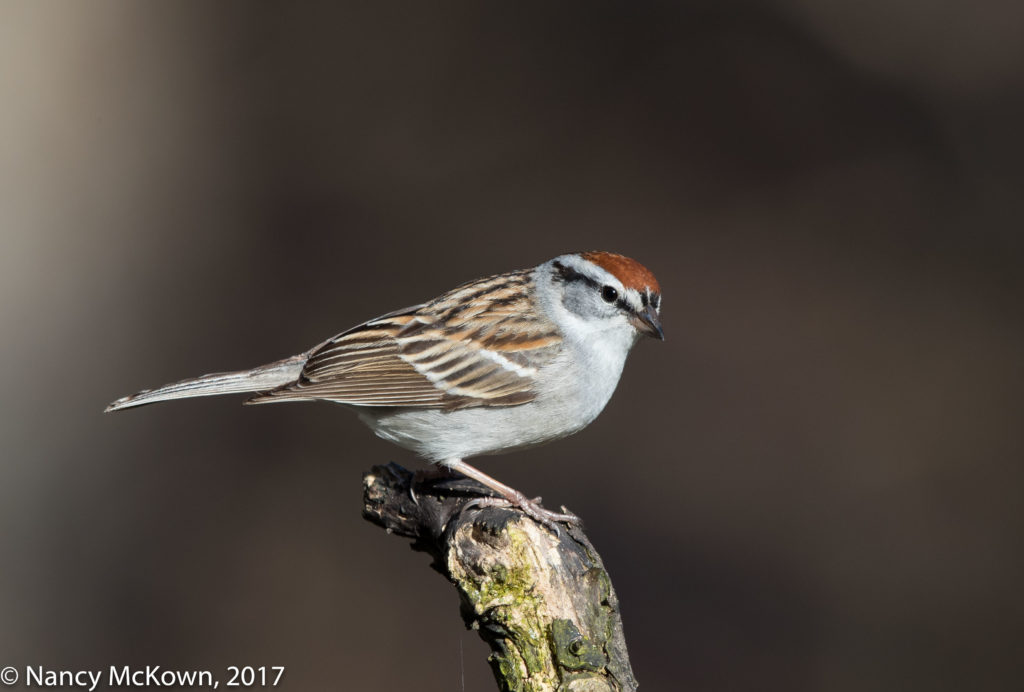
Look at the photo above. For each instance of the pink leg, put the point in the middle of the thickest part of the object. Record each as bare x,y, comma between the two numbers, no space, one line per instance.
511,495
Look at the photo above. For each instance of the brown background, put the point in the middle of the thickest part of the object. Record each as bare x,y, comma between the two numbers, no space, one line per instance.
814,484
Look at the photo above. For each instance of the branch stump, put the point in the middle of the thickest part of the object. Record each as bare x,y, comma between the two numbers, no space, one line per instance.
543,602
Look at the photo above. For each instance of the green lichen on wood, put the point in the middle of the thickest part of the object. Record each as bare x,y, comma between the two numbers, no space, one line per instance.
549,622
574,650
541,600
501,590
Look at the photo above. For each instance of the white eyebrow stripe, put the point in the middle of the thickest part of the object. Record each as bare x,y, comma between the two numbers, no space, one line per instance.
633,298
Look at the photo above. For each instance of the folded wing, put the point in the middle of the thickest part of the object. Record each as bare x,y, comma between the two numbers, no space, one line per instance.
477,345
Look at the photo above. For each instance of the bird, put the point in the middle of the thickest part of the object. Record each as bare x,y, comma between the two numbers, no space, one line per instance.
502,363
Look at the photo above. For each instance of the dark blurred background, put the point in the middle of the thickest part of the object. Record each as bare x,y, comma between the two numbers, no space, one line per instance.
814,484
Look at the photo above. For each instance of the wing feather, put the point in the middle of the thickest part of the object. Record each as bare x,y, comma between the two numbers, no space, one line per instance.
477,345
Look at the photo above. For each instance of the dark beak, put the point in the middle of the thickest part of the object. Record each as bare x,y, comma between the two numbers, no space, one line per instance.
647,322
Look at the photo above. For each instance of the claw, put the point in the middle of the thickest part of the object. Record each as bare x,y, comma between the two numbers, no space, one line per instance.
533,510
512,498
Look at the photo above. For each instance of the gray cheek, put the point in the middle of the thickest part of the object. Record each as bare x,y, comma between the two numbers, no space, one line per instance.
585,302
574,303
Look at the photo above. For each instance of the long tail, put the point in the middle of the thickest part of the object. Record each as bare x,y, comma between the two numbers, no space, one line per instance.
259,379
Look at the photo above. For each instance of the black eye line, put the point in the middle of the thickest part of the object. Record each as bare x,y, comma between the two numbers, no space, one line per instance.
621,304
568,274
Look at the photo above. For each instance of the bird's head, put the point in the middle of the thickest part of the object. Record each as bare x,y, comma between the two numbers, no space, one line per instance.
608,292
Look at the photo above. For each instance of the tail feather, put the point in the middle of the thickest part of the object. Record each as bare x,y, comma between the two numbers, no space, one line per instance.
259,379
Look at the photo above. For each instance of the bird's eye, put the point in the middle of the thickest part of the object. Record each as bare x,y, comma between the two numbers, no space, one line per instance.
643,299
609,294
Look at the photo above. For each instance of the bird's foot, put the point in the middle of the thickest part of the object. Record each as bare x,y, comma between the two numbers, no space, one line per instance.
510,497
531,508
421,477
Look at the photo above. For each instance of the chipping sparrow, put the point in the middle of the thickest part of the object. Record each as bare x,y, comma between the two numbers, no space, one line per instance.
501,363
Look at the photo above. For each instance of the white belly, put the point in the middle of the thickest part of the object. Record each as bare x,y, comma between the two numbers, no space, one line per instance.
575,391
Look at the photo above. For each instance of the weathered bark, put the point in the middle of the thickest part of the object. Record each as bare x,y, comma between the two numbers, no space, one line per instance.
543,602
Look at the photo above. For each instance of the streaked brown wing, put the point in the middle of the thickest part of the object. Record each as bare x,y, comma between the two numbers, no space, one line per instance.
476,345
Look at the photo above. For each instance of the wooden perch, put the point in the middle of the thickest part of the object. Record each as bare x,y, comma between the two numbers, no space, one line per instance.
543,602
